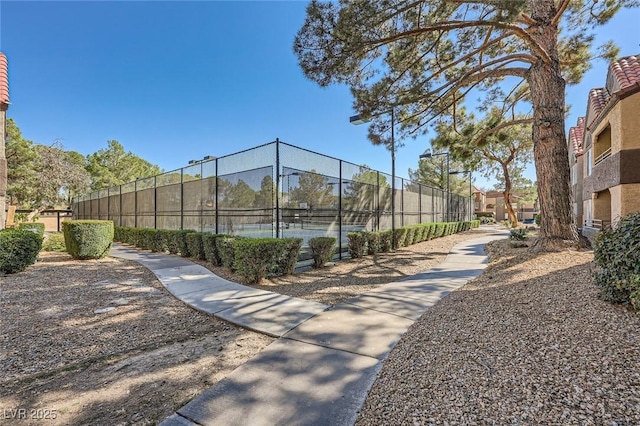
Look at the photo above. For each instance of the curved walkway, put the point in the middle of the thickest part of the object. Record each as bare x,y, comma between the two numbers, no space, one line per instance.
320,369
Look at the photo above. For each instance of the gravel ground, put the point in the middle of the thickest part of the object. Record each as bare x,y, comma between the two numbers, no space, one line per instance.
134,364
528,342
342,280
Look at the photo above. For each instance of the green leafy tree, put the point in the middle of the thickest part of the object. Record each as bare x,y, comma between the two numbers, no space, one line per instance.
264,197
313,190
433,172
22,167
502,155
239,196
113,166
423,58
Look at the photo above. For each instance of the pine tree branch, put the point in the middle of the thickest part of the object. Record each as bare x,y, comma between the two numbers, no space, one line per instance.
563,7
499,127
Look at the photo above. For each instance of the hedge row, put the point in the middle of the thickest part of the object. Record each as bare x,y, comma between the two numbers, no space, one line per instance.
372,242
252,258
88,239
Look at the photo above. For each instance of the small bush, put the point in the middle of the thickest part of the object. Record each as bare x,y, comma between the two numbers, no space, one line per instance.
286,263
224,246
475,223
88,239
408,236
18,249
357,244
210,248
195,246
400,236
617,256
54,242
38,228
536,219
322,249
518,234
177,242
439,230
385,241
373,242
257,258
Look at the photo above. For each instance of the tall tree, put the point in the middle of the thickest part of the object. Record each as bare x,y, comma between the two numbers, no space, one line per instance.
22,168
113,166
313,190
423,57
433,172
502,155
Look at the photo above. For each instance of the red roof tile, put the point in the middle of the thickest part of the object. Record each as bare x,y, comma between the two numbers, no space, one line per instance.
4,80
624,73
576,135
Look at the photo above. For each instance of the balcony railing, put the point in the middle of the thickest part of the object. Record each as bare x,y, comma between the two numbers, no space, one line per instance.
600,158
598,223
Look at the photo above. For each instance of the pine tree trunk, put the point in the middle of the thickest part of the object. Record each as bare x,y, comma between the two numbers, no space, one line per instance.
549,141
507,196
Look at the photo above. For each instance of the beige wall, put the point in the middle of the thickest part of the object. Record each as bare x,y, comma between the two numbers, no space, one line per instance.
602,206
630,121
630,195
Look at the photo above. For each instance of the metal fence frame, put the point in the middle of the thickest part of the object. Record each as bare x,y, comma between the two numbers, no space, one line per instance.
347,197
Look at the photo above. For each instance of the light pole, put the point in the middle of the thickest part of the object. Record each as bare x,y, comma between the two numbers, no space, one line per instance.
463,172
358,119
427,154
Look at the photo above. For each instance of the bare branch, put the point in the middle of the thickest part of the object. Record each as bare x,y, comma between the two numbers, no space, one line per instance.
560,12
499,127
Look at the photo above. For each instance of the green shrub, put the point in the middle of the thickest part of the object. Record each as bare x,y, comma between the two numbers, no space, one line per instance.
18,249
177,241
157,240
373,242
286,263
385,241
518,234
400,236
429,232
195,246
536,219
357,244
54,242
257,258
88,239
475,223
322,249
210,248
439,230
36,227
617,256
408,236
224,246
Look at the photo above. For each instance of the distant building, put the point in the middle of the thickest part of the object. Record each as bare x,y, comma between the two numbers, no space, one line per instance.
492,203
611,149
576,157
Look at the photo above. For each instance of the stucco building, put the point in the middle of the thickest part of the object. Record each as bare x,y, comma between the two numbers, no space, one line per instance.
611,148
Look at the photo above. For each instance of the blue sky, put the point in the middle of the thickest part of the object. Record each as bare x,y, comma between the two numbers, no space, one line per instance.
175,81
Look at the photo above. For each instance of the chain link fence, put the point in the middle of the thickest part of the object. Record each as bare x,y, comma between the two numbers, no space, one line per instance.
273,190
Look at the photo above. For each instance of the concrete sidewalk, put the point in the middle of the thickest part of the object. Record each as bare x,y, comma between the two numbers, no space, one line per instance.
320,370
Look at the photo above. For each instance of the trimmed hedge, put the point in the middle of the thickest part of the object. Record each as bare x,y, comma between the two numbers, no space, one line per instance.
210,248
373,242
88,239
322,250
257,258
36,227
357,244
195,245
18,249
225,249
385,241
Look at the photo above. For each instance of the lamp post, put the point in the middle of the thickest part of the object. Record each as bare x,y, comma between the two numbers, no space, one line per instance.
428,154
358,119
462,172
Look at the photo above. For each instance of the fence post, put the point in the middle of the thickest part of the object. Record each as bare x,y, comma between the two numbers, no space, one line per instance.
340,212
419,203
182,198
277,188
155,202
217,206
135,203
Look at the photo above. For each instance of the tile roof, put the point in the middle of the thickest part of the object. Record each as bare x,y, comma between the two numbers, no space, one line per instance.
598,99
4,80
624,73
576,135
